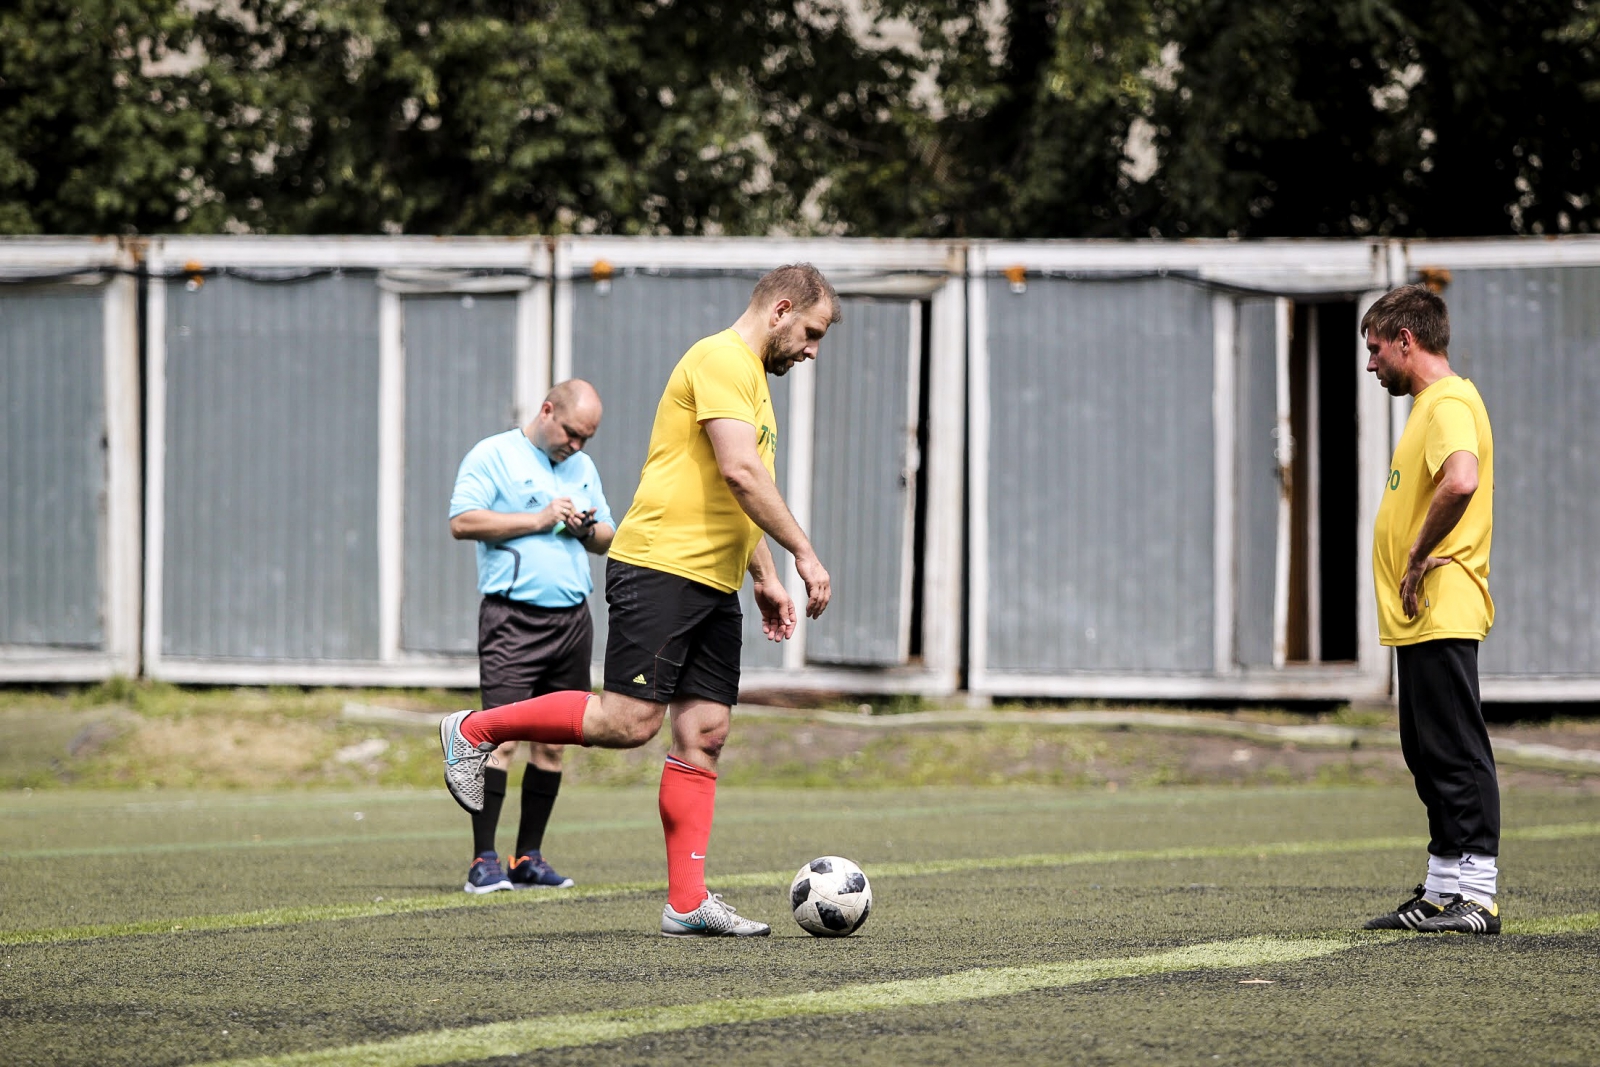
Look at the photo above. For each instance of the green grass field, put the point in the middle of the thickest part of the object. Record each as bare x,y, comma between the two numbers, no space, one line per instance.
1015,925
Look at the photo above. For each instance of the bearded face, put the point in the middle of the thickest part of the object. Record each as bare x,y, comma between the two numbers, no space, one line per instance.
779,353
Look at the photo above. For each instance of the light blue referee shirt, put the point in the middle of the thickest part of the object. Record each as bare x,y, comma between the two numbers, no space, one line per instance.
506,473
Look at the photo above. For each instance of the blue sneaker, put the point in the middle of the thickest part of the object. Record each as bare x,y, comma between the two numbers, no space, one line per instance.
485,875
530,871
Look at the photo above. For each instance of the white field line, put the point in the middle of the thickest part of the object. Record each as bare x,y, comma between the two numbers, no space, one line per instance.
594,1027
1261,954
293,916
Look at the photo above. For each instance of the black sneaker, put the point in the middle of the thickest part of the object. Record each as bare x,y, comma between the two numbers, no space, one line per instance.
1409,915
1463,916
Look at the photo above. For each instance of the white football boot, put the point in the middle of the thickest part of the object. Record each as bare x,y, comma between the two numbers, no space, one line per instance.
463,762
714,917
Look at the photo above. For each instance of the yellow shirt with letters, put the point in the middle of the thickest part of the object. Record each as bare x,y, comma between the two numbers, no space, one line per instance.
1446,417
684,519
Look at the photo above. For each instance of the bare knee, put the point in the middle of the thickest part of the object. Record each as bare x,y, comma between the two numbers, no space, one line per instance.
701,730
616,721
712,741
640,731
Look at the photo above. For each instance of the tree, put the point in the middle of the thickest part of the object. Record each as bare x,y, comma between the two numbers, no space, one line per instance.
94,137
1033,118
1430,118
547,116
1404,117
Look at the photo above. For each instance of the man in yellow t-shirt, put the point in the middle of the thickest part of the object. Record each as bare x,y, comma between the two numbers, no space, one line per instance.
1430,565
706,494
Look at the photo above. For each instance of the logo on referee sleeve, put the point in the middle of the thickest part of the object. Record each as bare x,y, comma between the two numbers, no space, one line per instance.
638,679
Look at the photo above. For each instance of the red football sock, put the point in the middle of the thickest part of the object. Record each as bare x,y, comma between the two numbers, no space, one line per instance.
688,801
553,719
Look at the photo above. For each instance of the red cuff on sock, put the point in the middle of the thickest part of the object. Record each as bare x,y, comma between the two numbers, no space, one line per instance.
553,719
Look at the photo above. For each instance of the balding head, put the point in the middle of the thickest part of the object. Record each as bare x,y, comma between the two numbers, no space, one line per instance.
569,416
574,395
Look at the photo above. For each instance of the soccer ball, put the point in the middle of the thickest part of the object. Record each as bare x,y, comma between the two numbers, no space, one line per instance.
830,897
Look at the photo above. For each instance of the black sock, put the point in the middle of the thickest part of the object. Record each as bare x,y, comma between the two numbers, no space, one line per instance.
486,821
539,789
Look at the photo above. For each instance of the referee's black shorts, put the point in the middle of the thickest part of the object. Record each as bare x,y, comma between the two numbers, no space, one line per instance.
671,638
527,651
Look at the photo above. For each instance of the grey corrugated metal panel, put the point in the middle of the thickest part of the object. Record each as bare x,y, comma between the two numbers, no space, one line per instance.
858,498
626,342
1530,339
460,358
271,479
1100,477
52,454
1256,481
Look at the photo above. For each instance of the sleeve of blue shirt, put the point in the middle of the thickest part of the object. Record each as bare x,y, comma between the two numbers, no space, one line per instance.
475,487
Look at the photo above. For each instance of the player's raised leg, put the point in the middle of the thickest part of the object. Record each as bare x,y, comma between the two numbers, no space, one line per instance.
568,717
468,738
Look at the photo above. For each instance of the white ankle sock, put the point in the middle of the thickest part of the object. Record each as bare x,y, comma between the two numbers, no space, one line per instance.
1443,881
1480,877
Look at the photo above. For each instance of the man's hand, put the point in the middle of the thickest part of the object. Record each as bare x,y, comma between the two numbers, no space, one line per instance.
818,589
1411,581
777,610
556,512
580,524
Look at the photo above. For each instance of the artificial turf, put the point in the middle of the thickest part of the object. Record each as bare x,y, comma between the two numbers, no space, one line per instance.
973,887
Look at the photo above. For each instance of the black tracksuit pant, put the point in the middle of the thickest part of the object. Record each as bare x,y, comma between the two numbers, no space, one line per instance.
1446,746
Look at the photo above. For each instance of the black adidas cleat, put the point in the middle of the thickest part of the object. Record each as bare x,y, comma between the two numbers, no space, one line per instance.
1462,916
1409,915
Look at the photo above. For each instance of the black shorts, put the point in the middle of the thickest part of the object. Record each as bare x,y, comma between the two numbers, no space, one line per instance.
671,637
527,651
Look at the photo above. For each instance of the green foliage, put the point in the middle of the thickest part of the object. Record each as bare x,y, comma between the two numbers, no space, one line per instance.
1256,118
93,139
1406,118
1035,118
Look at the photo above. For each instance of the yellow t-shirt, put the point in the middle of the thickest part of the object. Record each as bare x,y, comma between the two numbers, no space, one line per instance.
1446,417
684,519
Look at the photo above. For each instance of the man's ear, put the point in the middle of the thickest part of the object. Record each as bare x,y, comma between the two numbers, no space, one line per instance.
781,308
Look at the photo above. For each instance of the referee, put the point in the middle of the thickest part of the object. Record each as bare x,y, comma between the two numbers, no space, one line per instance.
1430,565
532,501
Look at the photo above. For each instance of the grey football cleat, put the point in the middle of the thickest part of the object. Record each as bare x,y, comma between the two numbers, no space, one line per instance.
463,762
714,917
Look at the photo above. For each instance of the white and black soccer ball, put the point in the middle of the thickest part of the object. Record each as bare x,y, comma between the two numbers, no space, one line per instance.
830,897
